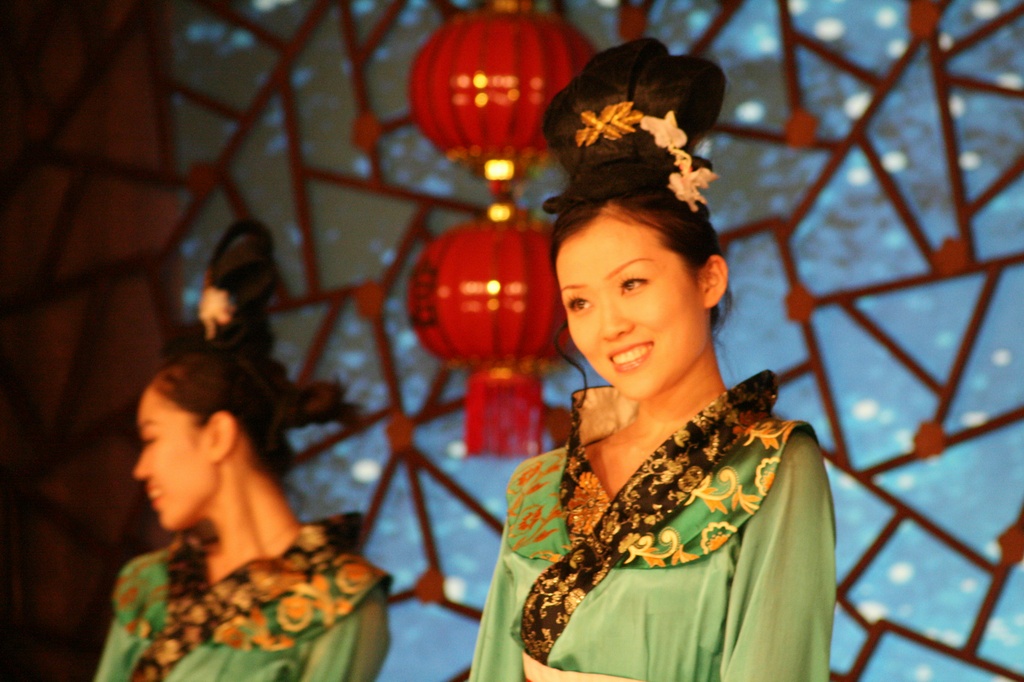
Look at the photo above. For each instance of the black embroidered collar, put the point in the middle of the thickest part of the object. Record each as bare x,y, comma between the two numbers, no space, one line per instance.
195,608
651,497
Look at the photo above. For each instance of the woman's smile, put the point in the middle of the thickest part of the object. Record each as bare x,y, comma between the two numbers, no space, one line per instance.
632,357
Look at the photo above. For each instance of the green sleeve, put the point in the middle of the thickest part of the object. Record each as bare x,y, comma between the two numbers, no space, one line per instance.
781,604
119,654
353,649
499,655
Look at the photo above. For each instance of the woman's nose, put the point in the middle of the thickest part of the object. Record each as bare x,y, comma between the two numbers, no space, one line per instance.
614,323
141,470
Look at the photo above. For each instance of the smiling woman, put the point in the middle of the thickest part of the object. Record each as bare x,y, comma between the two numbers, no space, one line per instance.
684,532
639,314
245,591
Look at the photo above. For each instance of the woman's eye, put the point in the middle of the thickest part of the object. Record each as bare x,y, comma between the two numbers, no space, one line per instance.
632,283
575,304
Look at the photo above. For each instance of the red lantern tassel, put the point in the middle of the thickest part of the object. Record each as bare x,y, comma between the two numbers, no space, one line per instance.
504,413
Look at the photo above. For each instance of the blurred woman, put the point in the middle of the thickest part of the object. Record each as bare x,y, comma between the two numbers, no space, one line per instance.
245,591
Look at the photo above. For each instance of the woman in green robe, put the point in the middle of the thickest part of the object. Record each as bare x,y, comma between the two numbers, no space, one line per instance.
684,534
245,591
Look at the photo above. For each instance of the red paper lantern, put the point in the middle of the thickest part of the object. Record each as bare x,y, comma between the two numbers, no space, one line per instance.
483,294
480,84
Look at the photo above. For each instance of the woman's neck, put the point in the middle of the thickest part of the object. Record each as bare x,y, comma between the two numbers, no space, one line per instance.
615,458
666,413
252,521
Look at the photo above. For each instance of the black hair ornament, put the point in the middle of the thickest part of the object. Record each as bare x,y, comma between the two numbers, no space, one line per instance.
593,126
239,282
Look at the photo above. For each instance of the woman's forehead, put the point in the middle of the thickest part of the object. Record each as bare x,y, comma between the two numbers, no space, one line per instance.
607,243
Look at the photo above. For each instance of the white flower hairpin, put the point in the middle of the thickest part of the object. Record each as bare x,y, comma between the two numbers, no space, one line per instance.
618,119
687,183
215,308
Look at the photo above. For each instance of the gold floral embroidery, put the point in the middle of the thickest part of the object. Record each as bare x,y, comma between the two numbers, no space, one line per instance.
615,121
589,502
294,612
231,634
245,633
168,651
714,497
261,605
139,627
353,574
764,477
643,546
573,599
271,582
311,538
715,535
771,433
642,507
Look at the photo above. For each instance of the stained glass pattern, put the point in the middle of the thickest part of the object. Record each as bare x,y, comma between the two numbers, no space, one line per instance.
870,205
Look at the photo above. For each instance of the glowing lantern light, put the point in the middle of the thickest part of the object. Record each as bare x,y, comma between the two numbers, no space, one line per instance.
483,294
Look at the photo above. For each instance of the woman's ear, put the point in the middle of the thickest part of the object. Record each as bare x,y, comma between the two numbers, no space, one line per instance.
220,435
714,280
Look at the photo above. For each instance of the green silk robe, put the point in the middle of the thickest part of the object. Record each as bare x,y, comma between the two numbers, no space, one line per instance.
317,613
739,587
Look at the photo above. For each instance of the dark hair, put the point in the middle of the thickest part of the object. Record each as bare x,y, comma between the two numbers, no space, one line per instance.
229,367
257,391
681,230
642,75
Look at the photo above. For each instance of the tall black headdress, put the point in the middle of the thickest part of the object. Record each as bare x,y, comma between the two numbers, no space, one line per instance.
243,266
594,126
239,282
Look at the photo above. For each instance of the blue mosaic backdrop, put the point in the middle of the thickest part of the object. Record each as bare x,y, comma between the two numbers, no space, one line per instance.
878,269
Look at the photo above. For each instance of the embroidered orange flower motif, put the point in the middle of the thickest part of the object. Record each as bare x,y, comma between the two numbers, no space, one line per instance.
711,495
294,613
771,434
681,557
764,477
139,627
167,651
715,535
233,636
269,642
127,596
528,473
748,502
352,576
528,519
589,502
